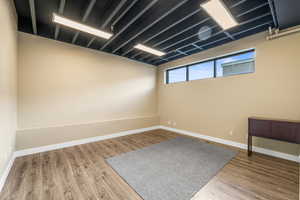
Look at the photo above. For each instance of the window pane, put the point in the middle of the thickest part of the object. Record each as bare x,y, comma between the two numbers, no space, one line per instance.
177,75
201,70
238,64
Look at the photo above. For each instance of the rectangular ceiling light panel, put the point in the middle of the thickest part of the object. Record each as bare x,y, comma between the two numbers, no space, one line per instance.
217,10
149,50
81,27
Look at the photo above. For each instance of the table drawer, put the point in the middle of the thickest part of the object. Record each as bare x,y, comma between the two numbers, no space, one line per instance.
284,131
260,128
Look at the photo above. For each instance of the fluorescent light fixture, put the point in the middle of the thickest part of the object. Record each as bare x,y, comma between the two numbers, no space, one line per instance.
149,50
217,10
81,27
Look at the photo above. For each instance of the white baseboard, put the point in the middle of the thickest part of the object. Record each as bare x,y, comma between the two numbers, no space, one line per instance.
82,141
123,133
235,144
6,171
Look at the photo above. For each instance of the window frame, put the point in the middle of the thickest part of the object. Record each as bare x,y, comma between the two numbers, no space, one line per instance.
214,60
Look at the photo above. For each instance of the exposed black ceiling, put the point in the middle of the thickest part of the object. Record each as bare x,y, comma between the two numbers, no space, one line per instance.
168,25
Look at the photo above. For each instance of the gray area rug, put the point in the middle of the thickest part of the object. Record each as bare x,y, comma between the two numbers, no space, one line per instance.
172,170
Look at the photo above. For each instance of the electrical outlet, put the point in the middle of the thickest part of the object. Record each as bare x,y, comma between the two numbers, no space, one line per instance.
169,122
231,133
174,123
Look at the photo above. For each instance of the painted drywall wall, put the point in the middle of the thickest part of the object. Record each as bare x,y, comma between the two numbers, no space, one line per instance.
8,81
63,85
220,107
61,134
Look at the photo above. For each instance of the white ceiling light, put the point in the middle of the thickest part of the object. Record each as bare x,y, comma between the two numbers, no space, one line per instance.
217,10
81,27
149,50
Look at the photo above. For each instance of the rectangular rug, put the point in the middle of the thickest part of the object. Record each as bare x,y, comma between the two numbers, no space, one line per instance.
172,170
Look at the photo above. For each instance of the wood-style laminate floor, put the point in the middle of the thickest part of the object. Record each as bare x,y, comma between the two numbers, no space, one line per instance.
81,173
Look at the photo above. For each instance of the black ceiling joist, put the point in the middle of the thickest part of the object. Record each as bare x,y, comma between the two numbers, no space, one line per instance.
108,20
124,13
129,23
176,34
197,47
252,9
182,52
165,29
84,18
238,3
191,36
151,25
240,15
180,41
229,35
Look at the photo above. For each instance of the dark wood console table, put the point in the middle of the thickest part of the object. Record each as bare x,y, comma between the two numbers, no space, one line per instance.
283,130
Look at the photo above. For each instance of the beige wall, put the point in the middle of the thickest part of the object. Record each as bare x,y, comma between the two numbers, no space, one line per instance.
55,135
8,78
62,85
68,92
216,107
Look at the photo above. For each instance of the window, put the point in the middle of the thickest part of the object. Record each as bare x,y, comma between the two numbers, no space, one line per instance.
239,63
201,70
233,65
177,75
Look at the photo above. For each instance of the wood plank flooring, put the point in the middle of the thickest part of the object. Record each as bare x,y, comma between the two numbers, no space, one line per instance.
80,173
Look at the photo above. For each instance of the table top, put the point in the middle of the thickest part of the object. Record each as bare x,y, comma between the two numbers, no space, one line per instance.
275,119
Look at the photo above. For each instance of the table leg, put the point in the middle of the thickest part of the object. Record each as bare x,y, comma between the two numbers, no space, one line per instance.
249,145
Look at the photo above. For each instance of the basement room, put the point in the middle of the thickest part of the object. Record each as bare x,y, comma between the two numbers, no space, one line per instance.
150,100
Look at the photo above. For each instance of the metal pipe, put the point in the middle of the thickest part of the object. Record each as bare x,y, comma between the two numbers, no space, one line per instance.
33,16
283,33
273,13
60,11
